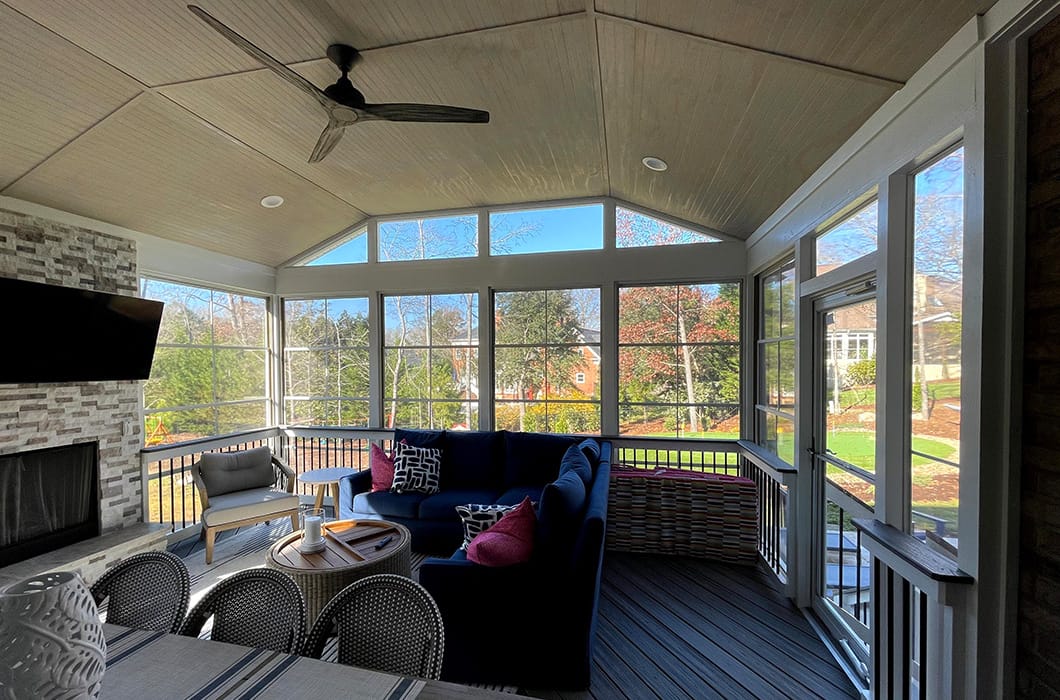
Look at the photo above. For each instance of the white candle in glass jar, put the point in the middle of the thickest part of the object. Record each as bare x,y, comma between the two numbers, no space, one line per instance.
312,528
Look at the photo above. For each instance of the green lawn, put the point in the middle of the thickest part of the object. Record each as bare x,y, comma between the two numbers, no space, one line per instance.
866,396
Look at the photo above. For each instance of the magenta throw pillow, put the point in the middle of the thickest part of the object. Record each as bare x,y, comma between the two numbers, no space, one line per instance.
382,466
510,541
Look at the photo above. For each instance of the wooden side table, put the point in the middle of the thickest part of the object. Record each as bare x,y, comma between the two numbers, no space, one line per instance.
324,479
323,574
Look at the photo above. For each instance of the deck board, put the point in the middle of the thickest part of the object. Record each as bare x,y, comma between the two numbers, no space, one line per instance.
710,629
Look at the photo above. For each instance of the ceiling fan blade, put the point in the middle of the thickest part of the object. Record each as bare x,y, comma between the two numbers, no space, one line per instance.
328,138
401,112
265,59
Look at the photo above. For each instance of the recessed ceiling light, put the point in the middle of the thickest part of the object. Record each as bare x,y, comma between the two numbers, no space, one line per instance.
653,163
271,201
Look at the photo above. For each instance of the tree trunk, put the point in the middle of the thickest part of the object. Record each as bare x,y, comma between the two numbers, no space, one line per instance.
925,405
686,361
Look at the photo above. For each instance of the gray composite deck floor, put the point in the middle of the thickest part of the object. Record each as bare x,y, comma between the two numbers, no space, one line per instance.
676,627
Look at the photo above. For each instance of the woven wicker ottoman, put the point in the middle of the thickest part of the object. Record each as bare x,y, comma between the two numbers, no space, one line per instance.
350,553
667,511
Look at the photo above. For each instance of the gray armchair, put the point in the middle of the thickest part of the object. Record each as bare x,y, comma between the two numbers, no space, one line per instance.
242,488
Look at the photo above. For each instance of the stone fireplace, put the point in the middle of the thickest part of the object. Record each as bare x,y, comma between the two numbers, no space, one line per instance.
36,416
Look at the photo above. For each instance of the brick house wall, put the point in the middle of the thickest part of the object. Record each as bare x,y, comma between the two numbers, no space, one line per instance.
34,416
1038,664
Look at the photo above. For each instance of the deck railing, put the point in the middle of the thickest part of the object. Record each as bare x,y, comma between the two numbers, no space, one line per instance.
170,496
918,616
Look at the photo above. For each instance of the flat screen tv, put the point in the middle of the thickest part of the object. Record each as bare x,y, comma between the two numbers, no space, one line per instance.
61,334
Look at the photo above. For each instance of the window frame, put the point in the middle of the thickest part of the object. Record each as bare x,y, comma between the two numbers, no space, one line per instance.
283,357
215,406
762,411
678,406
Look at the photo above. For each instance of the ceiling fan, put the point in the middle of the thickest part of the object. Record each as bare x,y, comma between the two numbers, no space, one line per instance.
344,103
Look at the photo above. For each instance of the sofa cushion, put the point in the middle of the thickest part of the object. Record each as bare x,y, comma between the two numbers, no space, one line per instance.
509,542
533,458
402,505
473,460
562,502
417,469
227,472
252,503
515,495
574,460
591,449
442,506
479,517
420,438
382,466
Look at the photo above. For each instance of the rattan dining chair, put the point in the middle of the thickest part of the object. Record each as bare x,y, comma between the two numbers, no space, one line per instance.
259,608
146,591
384,622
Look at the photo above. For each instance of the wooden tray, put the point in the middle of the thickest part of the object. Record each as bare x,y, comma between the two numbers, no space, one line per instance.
361,538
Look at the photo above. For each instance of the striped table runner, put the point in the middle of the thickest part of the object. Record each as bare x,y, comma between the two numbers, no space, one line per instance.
157,665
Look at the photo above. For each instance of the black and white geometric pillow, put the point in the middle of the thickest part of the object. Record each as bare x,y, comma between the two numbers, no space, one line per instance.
417,469
479,518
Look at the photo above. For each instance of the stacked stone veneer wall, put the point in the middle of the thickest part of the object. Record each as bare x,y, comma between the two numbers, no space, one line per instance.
34,416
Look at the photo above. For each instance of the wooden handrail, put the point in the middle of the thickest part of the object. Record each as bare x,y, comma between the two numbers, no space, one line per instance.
909,549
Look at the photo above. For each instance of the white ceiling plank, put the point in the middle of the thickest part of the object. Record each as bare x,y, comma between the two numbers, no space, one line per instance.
51,90
739,137
153,168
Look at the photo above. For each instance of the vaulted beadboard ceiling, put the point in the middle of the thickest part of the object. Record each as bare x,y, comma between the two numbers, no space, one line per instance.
138,114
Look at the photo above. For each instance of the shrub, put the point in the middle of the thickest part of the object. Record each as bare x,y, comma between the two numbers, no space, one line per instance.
861,373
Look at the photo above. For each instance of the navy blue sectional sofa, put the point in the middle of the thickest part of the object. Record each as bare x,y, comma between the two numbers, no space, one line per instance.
532,624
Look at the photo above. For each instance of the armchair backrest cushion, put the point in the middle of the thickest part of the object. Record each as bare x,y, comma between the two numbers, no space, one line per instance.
533,458
227,472
473,459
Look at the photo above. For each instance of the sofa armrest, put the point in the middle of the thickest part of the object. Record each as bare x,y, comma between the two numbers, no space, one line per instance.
350,486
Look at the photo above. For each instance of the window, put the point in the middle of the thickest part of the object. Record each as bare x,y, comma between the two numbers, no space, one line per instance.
679,360
429,239
547,230
775,402
352,249
430,357
543,342
208,375
636,230
937,285
326,361
848,240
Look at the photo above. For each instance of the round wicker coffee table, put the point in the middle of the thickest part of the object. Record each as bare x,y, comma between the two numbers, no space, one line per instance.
352,551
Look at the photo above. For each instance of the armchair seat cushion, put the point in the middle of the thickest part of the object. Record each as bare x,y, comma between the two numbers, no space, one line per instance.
388,503
442,506
259,503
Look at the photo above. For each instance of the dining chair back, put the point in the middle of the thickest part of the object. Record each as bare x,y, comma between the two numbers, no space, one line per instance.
260,608
146,591
384,622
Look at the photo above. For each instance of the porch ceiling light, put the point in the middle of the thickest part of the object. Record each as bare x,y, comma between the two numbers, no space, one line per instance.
654,163
271,201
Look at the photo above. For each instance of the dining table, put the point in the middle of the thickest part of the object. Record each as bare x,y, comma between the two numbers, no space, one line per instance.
159,665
